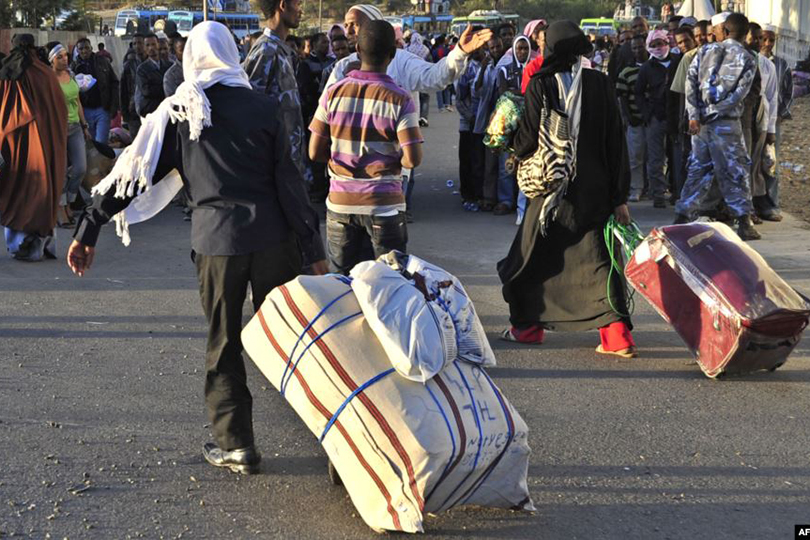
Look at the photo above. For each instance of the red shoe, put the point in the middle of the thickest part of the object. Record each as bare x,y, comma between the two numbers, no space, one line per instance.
532,335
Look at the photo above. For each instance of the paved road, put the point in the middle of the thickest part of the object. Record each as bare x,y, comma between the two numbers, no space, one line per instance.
101,411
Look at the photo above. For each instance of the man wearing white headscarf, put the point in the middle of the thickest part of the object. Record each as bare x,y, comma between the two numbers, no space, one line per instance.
410,72
251,219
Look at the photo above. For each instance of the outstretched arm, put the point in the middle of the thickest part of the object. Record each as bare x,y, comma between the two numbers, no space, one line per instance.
418,75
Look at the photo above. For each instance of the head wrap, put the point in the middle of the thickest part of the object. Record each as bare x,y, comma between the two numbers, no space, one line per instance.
210,58
372,12
565,44
688,21
329,35
720,18
658,52
55,50
417,46
531,26
514,51
400,41
769,28
14,65
122,134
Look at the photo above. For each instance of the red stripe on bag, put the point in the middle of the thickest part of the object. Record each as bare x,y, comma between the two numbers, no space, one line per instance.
325,412
372,409
457,415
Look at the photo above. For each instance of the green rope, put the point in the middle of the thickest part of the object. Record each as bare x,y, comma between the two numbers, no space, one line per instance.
629,237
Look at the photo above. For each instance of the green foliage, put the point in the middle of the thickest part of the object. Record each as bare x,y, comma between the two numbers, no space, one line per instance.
80,21
34,12
6,14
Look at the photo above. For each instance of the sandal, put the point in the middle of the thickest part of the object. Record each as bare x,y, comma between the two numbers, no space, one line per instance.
629,352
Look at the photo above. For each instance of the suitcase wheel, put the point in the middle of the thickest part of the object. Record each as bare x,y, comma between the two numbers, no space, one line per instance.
777,366
334,477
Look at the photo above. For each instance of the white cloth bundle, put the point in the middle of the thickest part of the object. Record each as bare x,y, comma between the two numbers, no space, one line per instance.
421,314
85,82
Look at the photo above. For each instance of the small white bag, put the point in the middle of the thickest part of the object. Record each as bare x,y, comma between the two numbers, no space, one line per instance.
421,314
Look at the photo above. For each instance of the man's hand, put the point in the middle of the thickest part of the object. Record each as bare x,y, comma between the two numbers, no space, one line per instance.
469,41
319,268
80,257
622,214
694,127
770,138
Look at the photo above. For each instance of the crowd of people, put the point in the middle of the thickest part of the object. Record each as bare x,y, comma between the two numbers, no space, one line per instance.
687,113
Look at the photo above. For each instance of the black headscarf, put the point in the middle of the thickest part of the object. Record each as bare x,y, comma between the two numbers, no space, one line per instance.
14,65
565,43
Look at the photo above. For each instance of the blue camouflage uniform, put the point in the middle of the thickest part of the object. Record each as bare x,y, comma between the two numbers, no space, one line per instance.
271,66
718,80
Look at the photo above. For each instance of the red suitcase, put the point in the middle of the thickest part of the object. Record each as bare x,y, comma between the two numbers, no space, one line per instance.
733,311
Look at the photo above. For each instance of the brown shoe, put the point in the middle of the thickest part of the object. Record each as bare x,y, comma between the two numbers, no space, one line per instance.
502,209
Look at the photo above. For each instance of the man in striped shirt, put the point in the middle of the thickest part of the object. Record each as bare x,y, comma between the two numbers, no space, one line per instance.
631,113
367,128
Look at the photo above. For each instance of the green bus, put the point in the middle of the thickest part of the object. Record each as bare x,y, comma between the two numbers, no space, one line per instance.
485,18
600,27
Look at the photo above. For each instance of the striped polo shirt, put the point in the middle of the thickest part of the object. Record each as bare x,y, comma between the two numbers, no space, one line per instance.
368,119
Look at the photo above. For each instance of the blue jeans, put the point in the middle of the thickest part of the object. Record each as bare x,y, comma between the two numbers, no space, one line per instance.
407,186
440,100
521,204
77,161
507,183
99,121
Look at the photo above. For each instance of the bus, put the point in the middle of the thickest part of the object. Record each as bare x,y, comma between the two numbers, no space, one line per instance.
130,21
485,18
425,24
241,24
600,27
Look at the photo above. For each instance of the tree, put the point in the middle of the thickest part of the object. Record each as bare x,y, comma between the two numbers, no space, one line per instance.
34,12
6,14
82,21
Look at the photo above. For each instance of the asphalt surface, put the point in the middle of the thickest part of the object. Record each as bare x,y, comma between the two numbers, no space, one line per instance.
102,419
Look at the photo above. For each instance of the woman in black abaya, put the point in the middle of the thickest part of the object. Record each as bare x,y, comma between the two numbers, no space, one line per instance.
557,271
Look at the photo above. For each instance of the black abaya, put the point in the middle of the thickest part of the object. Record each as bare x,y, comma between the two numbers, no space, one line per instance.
560,280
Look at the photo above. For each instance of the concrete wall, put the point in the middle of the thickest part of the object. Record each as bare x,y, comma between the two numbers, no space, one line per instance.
116,45
792,18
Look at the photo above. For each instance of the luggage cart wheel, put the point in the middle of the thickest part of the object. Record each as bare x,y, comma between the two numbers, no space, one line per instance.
334,477
777,366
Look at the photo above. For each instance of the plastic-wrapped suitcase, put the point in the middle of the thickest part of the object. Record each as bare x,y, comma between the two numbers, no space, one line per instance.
734,312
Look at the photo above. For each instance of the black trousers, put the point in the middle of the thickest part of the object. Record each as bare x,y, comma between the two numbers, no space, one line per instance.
223,288
490,180
471,166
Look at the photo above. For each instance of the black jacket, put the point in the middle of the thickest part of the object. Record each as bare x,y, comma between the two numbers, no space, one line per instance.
106,81
149,86
245,191
127,90
652,87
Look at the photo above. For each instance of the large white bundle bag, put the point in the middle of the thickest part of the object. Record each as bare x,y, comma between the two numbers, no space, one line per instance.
421,315
402,448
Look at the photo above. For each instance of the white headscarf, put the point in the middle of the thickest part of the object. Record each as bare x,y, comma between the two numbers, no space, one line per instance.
210,58
417,47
